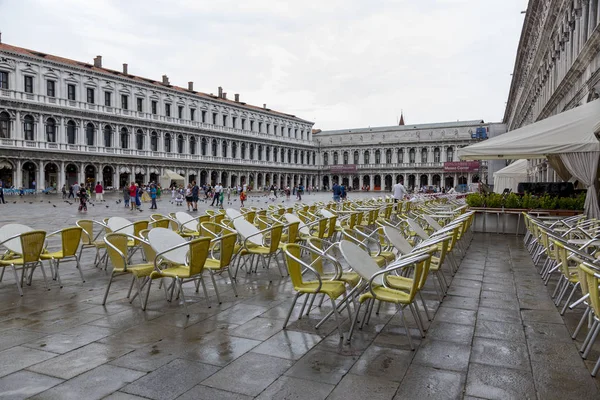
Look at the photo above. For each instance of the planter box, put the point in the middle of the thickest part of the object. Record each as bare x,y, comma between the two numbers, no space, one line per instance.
510,220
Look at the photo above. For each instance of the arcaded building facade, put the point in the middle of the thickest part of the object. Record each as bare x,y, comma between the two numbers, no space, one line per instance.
64,121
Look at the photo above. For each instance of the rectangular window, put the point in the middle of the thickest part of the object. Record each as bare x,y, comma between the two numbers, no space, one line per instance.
50,88
252,125
71,92
3,80
167,110
243,123
203,116
140,104
90,95
268,127
192,114
260,126
107,99
124,102
154,106
233,121
214,118
289,132
180,112
29,84
224,120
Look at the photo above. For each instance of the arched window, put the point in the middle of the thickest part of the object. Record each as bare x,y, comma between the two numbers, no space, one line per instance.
388,156
313,160
282,155
224,148
424,155
289,159
345,157
268,154
243,154
192,145
260,152
335,158
90,133
28,127
301,157
325,158
411,156
154,141
180,144
108,133
367,154
295,156
51,130
214,148
251,151
167,142
356,157
449,154
124,138
139,139
275,153
436,155
203,146
71,132
4,125
234,149
377,157
400,156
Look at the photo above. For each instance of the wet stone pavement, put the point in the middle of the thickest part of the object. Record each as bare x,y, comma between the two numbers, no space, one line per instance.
497,335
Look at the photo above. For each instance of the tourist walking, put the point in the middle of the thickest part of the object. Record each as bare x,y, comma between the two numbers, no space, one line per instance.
71,193
133,196
153,194
195,194
64,191
188,197
217,194
126,196
2,192
99,192
337,192
399,192
242,197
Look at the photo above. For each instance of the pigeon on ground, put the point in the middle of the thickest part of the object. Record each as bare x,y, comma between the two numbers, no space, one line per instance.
106,206
53,205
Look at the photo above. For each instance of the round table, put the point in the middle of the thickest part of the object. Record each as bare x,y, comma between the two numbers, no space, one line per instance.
11,230
301,227
360,262
397,240
120,225
162,239
232,213
246,229
186,220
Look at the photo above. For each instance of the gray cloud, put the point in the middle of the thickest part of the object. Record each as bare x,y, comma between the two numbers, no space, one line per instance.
339,63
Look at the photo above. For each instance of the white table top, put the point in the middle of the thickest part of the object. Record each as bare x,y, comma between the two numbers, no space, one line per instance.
360,261
397,240
245,229
11,230
417,228
162,239
232,213
186,220
301,227
581,242
117,224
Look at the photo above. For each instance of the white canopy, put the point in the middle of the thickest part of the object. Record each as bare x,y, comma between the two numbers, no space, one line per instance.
573,131
170,176
569,141
510,176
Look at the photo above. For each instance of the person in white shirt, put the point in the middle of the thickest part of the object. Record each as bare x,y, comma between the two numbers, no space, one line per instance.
399,192
217,194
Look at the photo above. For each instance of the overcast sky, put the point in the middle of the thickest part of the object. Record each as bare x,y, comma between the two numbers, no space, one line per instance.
339,63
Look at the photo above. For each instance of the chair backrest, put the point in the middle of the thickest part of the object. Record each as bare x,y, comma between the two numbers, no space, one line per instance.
292,231
225,246
414,226
157,217
250,216
32,244
197,255
592,283
275,237
87,225
432,222
331,228
117,249
149,253
139,226
294,266
160,223
70,238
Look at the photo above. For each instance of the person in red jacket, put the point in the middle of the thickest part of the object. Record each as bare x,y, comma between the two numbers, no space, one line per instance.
132,195
99,192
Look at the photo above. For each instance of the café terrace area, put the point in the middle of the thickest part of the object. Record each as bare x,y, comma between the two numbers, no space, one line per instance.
496,334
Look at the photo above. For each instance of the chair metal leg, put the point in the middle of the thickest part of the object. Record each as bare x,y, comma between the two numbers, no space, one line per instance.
147,294
575,286
337,317
596,367
558,284
17,280
80,269
407,330
204,290
212,277
581,322
417,319
291,309
233,284
354,321
108,287
131,285
304,306
310,305
424,306
179,283
596,330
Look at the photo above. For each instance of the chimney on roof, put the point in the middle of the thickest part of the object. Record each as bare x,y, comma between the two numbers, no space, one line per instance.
191,86
225,95
165,80
237,97
401,123
265,106
98,62
125,69
0,37
220,92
